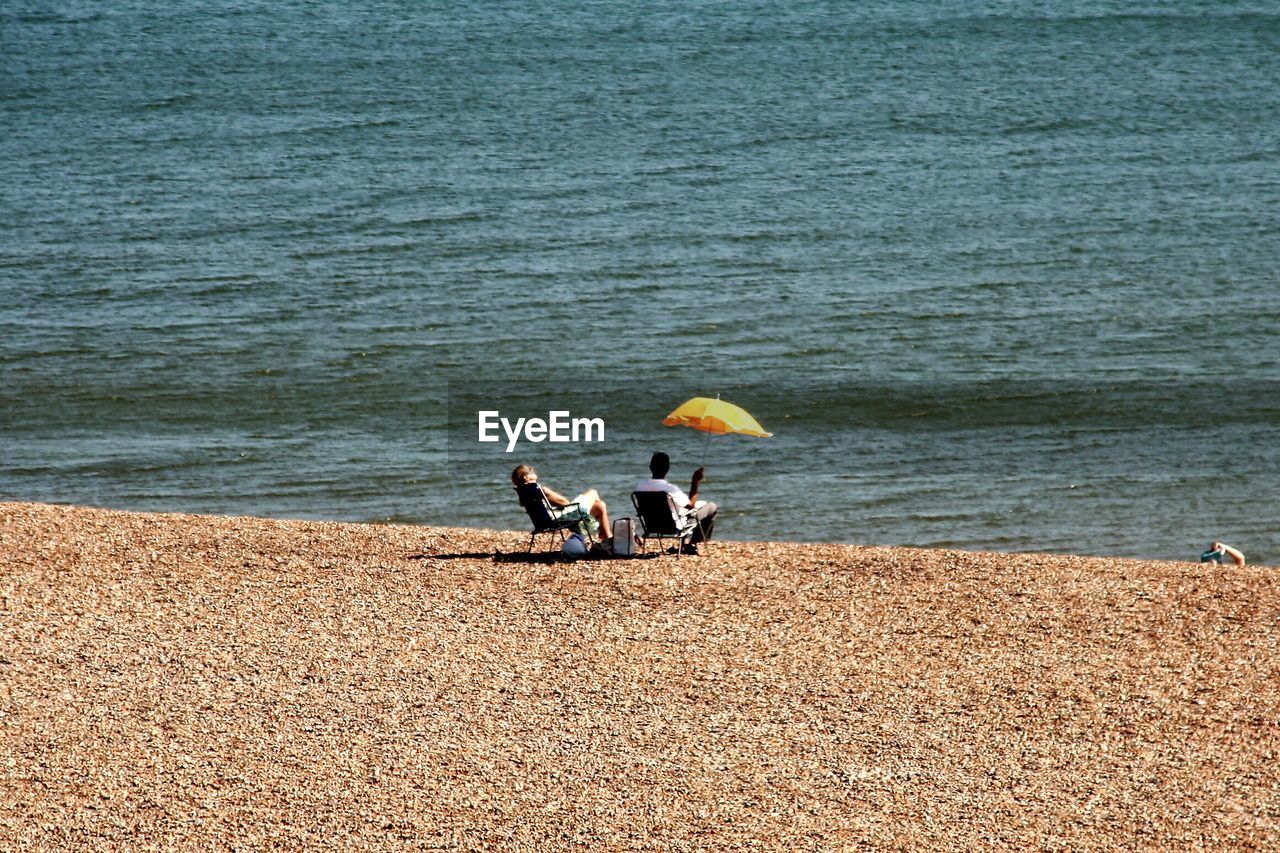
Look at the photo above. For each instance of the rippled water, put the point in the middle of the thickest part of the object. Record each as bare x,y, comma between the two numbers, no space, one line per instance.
996,275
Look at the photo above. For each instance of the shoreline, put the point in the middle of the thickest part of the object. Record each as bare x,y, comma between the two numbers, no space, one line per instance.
500,536
191,680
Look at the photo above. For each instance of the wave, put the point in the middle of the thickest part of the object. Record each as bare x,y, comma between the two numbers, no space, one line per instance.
1032,403
1251,17
170,101
55,18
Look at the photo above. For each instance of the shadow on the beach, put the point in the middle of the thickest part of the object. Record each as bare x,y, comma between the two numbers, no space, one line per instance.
543,557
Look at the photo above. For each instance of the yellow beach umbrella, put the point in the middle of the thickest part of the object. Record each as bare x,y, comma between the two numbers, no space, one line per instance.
715,417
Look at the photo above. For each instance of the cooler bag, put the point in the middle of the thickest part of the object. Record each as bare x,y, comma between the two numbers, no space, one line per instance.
624,537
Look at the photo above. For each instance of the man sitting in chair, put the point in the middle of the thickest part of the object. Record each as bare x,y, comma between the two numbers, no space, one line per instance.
704,511
589,503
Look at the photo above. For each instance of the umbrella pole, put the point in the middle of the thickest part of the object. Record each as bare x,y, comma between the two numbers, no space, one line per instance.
705,446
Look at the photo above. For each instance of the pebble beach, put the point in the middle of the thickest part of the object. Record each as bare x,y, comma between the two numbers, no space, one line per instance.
172,681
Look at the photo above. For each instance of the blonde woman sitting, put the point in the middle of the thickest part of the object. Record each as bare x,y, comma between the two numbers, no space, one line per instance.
587,507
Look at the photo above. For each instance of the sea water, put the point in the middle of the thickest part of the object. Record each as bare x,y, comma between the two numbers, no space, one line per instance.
997,275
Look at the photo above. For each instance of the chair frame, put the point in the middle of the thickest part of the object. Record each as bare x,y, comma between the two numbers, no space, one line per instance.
682,532
548,523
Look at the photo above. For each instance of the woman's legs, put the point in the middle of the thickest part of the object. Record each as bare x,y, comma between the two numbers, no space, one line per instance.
599,511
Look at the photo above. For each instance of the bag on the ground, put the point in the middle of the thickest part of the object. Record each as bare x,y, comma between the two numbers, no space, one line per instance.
575,546
625,543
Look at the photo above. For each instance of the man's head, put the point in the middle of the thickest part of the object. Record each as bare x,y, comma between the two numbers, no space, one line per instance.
523,474
659,465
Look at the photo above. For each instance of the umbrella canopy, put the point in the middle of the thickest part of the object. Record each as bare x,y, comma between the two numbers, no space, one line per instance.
715,417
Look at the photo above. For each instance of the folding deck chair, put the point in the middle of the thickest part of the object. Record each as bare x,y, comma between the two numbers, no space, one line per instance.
544,518
660,518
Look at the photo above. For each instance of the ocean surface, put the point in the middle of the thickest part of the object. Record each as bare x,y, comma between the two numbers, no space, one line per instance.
998,275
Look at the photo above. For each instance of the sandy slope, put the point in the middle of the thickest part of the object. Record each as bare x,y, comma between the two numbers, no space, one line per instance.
174,680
